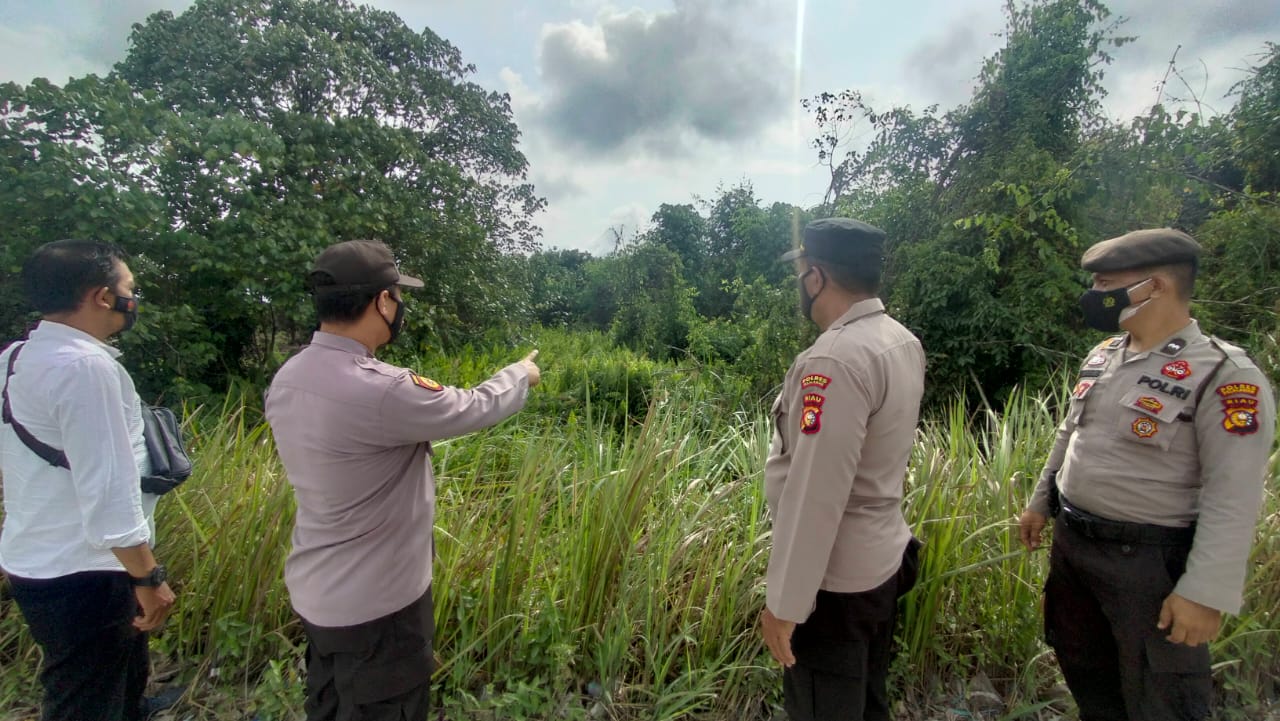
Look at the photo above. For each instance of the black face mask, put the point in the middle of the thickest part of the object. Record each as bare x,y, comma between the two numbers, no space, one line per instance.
129,306
806,300
396,324
1104,309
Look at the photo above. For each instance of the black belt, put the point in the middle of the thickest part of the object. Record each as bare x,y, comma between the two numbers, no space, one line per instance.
1104,529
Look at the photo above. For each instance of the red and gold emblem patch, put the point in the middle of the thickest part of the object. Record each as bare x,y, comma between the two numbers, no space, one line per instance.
1145,427
1150,403
815,380
1082,389
1177,370
425,382
811,416
1237,389
1241,416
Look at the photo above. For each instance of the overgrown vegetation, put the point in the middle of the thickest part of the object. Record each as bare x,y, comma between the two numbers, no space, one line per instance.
586,559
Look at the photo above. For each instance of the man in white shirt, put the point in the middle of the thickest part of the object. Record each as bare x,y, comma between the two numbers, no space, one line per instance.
75,541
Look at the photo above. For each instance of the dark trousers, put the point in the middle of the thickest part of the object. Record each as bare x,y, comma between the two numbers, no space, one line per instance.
1102,603
843,651
95,662
380,669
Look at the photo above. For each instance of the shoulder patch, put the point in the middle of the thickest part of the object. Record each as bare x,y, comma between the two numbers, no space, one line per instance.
811,416
1112,343
425,382
815,380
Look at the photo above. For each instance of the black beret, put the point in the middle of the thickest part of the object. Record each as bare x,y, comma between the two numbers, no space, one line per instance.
843,241
1141,249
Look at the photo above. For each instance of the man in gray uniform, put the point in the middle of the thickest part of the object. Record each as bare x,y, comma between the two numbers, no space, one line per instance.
355,435
844,424
1156,482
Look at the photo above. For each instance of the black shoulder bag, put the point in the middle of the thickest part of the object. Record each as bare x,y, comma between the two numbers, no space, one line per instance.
170,464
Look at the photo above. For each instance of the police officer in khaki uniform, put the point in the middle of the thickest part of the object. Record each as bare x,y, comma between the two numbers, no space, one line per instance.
845,421
1155,481
355,436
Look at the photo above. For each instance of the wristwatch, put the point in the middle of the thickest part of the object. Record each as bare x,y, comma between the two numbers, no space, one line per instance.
153,579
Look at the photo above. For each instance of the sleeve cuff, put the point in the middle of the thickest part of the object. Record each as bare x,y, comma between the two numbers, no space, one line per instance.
135,537
788,609
1220,598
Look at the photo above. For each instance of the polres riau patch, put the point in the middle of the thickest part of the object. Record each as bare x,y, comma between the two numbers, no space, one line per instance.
815,380
811,415
427,383
1241,415
1237,389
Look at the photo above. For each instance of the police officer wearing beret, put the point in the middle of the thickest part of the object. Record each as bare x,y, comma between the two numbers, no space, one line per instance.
1156,482
355,436
844,424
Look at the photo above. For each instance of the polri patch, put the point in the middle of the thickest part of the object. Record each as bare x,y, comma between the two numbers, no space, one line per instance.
425,382
815,380
1177,370
811,416
1145,427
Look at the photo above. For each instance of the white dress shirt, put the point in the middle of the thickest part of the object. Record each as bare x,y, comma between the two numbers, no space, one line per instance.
69,391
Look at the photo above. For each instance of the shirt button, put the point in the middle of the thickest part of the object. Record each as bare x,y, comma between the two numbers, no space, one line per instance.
1126,548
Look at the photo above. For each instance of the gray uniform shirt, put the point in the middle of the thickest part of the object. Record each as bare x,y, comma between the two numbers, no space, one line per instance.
1176,435
354,435
844,425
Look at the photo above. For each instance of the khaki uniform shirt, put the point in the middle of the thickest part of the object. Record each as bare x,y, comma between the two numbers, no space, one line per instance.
1174,436
354,434
844,426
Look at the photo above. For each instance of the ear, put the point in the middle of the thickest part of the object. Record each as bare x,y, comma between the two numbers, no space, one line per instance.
100,297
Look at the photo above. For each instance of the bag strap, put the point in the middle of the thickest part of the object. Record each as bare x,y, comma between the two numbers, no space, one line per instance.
51,455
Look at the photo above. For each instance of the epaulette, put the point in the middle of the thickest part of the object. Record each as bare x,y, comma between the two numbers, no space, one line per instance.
1232,352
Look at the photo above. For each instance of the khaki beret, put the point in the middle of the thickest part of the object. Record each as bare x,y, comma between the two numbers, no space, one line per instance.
1141,249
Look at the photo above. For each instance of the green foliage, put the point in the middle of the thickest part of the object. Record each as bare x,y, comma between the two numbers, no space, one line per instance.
238,139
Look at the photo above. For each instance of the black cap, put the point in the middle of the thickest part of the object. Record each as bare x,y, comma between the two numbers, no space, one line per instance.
362,263
1141,249
843,241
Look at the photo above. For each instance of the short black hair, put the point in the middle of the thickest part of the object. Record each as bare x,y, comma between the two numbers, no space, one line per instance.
57,276
340,304
863,278
1184,277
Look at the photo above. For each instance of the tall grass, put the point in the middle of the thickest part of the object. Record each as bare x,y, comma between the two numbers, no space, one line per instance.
595,559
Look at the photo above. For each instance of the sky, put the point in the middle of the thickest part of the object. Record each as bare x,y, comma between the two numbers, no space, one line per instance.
627,105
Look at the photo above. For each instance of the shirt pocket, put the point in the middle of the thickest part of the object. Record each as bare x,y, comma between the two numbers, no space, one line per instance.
1150,418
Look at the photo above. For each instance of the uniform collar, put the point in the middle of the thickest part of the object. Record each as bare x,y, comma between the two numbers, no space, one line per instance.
340,342
53,331
859,310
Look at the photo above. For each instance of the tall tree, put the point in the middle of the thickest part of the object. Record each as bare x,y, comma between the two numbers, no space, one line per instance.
267,129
